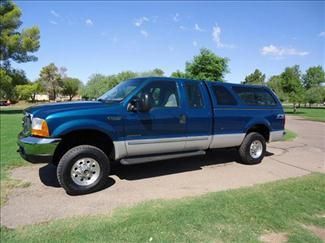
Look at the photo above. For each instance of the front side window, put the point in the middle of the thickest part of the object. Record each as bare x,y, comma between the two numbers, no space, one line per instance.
194,95
161,94
255,96
223,96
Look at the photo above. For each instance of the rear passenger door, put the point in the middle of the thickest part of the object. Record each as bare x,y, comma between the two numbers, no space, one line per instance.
229,121
198,115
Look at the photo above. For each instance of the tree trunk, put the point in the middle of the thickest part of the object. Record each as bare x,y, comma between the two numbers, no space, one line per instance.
70,97
294,108
33,98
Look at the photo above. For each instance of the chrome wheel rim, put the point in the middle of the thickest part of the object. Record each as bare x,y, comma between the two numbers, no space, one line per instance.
256,149
85,171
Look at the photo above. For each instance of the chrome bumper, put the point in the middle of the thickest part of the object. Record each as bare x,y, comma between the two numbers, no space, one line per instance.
37,150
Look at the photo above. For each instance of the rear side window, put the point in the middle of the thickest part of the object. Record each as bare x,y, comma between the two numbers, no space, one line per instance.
255,96
223,96
194,95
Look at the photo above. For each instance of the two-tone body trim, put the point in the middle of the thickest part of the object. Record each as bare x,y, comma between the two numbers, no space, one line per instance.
276,135
137,147
227,140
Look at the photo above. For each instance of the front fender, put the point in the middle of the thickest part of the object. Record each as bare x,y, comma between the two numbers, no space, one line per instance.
84,124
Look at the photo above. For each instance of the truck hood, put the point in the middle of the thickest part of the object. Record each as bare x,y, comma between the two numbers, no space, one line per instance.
43,111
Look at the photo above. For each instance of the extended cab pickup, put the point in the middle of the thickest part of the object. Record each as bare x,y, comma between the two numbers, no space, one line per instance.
148,119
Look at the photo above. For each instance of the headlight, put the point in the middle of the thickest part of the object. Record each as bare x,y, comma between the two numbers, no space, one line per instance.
39,127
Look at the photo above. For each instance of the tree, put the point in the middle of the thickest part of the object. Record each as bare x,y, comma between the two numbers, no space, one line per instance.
51,80
323,94
63,72
18,76
158,72
255,78
29,91
8,80
70,87
95,87
314,77
125,75
5,85
178,74
292,86
314,95
275,84
98,84
207,66
151,73
16,44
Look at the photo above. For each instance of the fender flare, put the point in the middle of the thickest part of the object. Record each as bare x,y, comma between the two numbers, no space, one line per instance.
84,124
257,122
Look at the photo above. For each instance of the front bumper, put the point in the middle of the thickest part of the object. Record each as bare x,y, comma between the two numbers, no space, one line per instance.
37,150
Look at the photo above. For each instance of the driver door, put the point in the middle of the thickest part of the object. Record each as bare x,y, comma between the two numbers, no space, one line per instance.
162,129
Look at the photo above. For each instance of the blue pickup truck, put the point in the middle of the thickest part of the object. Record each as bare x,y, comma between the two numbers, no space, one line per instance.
148,119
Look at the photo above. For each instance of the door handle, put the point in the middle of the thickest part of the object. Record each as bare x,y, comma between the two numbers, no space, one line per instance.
182,119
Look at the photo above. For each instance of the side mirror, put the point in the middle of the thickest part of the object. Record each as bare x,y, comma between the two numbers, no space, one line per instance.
141,105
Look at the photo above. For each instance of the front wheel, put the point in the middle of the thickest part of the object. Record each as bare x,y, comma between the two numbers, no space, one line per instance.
253,148
83,169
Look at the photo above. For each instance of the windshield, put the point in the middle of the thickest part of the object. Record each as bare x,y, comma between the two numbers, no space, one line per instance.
120,91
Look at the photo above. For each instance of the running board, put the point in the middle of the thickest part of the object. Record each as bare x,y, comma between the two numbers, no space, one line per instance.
140,160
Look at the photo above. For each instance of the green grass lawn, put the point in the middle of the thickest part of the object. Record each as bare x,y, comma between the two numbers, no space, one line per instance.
241,215
290,135
314,114
10,126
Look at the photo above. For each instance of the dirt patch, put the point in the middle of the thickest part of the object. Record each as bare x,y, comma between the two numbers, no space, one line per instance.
274,238
318,231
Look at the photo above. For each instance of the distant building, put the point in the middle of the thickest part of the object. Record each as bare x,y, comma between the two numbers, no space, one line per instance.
59,98
42,97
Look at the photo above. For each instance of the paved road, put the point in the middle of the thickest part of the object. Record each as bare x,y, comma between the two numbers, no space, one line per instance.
44,200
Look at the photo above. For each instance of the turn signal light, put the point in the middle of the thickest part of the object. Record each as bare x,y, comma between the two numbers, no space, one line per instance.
40,128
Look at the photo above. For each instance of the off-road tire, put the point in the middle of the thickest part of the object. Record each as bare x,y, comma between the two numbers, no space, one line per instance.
244,149
68,160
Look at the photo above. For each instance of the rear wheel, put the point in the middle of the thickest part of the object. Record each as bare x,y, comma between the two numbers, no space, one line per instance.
253,148
83,169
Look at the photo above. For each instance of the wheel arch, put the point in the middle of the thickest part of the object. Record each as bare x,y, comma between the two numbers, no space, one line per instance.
83,124
85,136
261,128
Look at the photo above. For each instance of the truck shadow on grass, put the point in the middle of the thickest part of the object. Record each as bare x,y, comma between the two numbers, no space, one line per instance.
220,157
